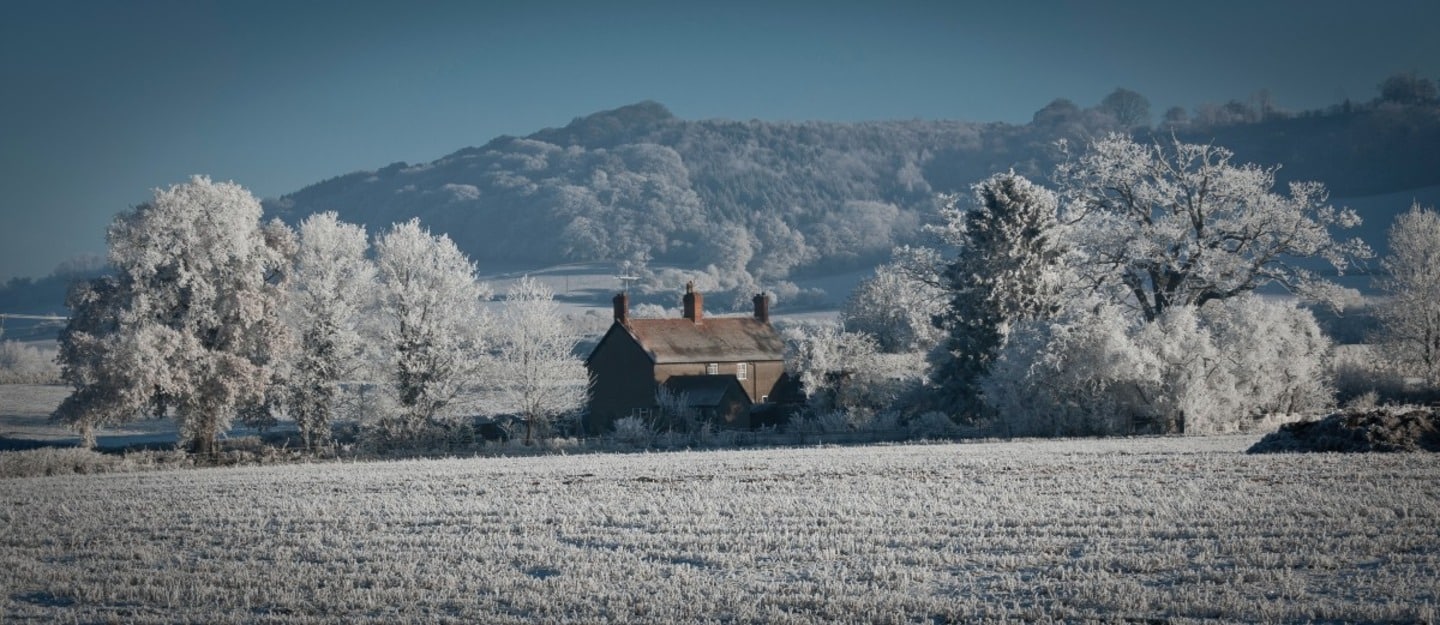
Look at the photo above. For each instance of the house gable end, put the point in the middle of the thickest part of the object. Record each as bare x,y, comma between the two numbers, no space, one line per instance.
614,338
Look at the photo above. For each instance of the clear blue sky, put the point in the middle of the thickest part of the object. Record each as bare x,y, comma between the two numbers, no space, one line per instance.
102,101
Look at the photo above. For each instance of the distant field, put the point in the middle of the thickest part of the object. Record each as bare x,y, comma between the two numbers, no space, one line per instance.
25,411
1142,530
581,287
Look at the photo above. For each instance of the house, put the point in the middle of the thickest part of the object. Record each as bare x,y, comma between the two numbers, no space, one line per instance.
723,365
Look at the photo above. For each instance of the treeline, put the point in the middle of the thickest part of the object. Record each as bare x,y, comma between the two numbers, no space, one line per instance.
1121,297
756,203
212,316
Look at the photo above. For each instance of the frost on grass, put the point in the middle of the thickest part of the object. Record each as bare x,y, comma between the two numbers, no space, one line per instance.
1108,530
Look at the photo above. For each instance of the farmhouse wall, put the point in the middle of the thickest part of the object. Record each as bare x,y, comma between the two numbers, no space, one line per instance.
624,380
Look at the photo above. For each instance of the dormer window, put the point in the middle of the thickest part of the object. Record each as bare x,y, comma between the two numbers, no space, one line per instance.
712,368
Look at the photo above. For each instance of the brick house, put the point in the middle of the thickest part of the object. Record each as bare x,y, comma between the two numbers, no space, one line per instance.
724,365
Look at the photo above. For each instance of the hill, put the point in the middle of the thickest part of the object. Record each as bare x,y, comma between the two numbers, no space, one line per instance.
758,203
753,204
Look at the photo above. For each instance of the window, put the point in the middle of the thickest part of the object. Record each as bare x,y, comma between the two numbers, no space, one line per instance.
741,370
712,369
643,413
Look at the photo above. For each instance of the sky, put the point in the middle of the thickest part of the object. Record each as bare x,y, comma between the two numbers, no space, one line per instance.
103,101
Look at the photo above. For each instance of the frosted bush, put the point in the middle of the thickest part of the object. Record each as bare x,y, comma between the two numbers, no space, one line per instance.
832,421
633,431
724,439
1081,374
1196,388
57,461
931,425
26,364
671,439
79,461
883,421
1279,359
842,370
1360,370
1226,367
822,422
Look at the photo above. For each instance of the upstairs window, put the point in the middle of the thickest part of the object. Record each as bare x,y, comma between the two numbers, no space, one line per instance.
712,368
742,370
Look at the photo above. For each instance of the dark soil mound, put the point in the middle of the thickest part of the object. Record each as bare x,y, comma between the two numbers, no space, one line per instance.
1372,430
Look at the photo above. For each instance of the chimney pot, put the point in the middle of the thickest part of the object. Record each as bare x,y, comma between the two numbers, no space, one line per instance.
694,303
622,308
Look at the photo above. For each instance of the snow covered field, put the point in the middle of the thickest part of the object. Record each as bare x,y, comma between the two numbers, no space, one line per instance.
1153,530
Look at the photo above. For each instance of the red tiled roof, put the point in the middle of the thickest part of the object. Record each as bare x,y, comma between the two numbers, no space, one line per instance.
714,339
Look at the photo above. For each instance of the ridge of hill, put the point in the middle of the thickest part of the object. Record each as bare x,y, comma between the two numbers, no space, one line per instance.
755,203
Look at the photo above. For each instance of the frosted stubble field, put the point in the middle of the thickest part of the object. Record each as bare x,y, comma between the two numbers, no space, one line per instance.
1140,529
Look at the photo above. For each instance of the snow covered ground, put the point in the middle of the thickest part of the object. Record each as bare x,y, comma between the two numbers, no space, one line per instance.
1152,529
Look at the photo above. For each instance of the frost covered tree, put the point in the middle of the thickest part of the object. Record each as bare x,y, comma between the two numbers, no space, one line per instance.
1007,271
1079,373
1098,369
845,371
1277,355
99,362
895,308
1410,316
1176,224
190,323
433,330
333,286
536,371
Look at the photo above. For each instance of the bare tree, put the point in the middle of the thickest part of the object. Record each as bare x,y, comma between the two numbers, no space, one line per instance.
1155,226
1410,316
536,371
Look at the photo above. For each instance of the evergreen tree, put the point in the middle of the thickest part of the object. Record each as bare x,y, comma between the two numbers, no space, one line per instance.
1006,271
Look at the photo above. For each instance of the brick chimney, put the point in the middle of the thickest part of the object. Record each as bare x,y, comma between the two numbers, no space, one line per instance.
694,303
762,307
622,308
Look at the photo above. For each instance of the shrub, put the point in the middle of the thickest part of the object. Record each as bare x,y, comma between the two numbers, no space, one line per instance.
26,364
1229,366
1081,374
633,431
78,461
931,425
